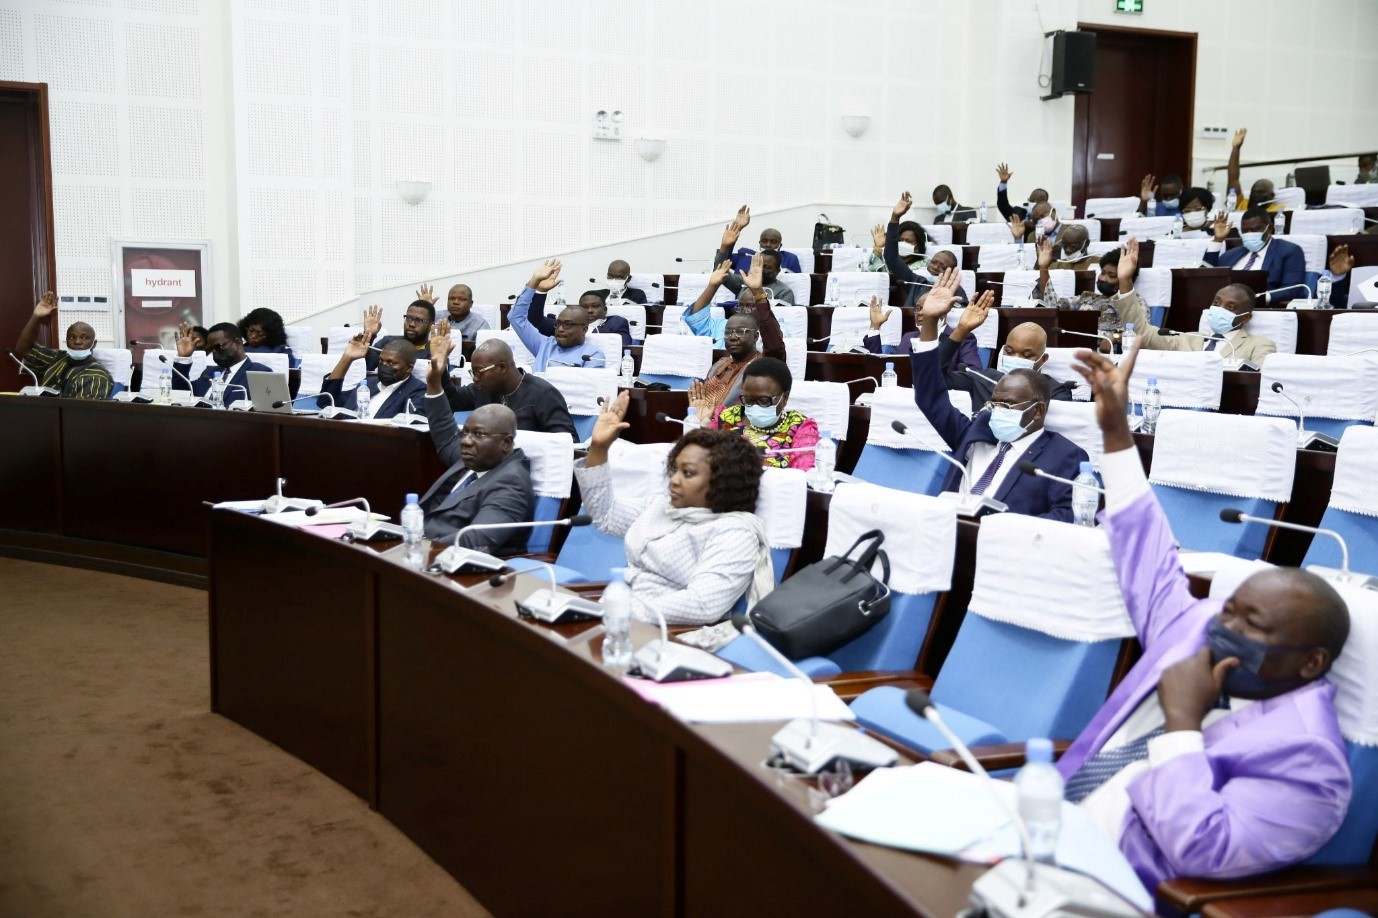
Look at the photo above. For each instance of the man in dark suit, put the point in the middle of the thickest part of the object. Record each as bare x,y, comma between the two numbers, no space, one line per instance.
226,345
1025,348
488,480
1284,261
593,302
770,241
394,390
994,442
619,281
916,283
949,211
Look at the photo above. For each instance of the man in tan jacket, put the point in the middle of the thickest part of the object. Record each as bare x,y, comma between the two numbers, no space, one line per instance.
1228,314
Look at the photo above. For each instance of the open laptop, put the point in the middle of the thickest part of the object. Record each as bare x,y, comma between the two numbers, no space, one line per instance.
270,394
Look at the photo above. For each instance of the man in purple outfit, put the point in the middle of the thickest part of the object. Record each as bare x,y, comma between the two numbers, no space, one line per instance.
1219,755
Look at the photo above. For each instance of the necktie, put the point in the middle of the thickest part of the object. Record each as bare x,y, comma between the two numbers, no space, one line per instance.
465,480
1248,265
1211,343
1104,765
989,474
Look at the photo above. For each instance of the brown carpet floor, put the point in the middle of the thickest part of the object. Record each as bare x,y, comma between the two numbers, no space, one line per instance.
121,794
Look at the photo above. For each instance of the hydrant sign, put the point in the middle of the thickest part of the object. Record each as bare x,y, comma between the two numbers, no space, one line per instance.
162,283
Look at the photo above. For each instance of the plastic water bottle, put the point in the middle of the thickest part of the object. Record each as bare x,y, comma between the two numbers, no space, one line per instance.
361,398
1085,499
1128,338
1151,208
830,297
691,419
617,622
217,392
628,369
1291,180
1177,227
165,387
824,461
1039,785
1279,223
1231,200
413,529
889,379
1323,285
1153,406
1023,257
981,213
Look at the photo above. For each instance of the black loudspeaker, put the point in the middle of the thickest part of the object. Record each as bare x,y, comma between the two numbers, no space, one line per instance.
1074,63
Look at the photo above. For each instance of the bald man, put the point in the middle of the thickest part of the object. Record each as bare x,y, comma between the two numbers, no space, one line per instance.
1026,348
72,371
619,279
459,304
488,479
393,391
537,404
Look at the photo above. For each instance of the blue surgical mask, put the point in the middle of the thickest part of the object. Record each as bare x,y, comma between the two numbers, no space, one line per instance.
1220,320
1252,241
1244,680
944,207
1171,203
762,416
1007,424
78,353
1008,362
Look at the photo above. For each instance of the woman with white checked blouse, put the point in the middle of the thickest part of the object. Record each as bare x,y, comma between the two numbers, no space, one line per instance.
693,557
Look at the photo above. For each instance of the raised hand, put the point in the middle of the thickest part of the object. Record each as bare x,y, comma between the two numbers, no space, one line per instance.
730,234
441,344
699,400
752,278
879,314
902,206
1129,262
1045,254
357,348
1110,388
546,277
878,236
1003,170
46,305
1239,136
1147,188
373,321
1221,227
186,344
1017,228
1341,262
939,300
720,272
743,218
611,422
974,316
424,292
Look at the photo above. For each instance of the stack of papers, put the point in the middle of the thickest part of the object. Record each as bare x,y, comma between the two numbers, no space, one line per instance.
742,699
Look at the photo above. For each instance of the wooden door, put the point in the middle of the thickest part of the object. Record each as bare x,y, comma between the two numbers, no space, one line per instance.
27,266
1139,119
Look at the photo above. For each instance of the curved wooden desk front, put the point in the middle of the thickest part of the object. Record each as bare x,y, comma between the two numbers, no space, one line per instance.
504,749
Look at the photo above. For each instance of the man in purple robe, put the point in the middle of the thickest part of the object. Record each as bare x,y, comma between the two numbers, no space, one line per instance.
1219,755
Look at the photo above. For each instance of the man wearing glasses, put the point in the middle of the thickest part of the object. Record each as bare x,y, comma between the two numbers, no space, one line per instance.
487,479
416,331
566,347
1007,431
498,380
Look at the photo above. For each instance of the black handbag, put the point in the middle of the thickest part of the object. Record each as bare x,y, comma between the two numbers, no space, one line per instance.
826,235
826,604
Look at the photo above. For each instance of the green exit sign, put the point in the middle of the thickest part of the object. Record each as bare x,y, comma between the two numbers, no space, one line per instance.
1129,6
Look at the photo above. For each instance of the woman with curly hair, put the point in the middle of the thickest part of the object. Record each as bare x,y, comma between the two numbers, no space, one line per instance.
762,420
264,333
692,557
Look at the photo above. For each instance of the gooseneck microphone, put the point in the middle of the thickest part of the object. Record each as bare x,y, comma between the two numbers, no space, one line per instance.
550,605
37,388
1028,468
456,557
1343,575
1305,438
664,418
967,504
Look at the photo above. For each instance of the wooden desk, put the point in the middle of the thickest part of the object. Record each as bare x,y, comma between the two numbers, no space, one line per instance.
509,755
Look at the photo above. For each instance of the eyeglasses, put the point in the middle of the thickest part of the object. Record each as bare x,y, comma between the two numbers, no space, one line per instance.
765,401
1017,406
466,434
415,320
479,371
564,323
738,332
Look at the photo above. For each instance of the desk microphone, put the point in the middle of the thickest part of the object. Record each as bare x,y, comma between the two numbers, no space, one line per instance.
550,605
1343,575
967,504
366,529
1023,888
247,399
1167,332
807,745
1310,297
1028,468
334,411
37,388
278,503
848,382
693,261
1306,439
664,418
1067,331
456,557
979,375
662,661
352,502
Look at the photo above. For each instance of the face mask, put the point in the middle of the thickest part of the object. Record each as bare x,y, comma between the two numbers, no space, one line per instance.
944,207
1105,288
387,375
1252,241
1069,254
223,359
1194,219
1008,362
1007,424
1049,226
1371,175
617,284
78,353
1244,679
906,249
1171,203
1220,319
758,416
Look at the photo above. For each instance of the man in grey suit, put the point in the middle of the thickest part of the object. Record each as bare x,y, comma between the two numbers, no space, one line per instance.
488,480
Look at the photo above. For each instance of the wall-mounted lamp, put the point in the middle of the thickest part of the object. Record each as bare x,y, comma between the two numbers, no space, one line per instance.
856,125
650,148
413,192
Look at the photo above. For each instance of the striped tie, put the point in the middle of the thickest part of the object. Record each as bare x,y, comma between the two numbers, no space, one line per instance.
1248,265
989,474
1103,766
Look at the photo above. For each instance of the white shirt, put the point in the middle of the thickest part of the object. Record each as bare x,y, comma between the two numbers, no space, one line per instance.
1239,265
381,396
983,454
1109,803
